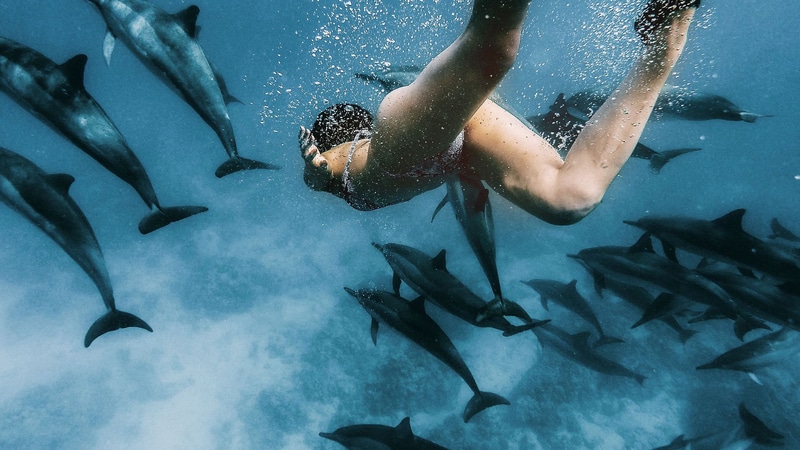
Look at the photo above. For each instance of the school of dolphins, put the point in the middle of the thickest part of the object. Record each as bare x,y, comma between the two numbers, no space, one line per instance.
752,282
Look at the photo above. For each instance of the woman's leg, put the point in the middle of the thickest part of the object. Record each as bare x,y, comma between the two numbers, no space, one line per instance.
528,171
607,141
418,121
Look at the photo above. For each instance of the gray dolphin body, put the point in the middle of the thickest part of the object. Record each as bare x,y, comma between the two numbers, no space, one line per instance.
562,124
723,239
567,295
43,199
55,93
757,297
168,43
576,347
369,436
640,265
675,103
469,199
429,277
410,319
762,352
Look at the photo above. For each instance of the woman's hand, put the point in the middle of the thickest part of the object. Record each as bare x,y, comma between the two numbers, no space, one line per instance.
317,174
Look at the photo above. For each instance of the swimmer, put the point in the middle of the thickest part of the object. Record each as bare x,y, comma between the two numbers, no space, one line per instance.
444,123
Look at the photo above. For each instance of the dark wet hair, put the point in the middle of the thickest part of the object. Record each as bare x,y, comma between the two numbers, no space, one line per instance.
340,123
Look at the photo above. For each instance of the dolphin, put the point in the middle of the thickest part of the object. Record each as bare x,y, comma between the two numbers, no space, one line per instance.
722,239
757,430
641,299
469,199
567,295
682,442
167,43
56,94
44,200
410,319
561,125
757,297
641,266
392,78
764,351
381,436
576,347
779,231
430,277
673,102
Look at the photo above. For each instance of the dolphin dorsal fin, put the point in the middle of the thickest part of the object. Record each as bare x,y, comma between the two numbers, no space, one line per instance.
732,220
61,181
73,69
188,20
402,432
572,287
440,261
560,105
644,244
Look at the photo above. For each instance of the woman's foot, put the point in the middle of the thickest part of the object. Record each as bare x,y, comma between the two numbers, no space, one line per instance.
657,14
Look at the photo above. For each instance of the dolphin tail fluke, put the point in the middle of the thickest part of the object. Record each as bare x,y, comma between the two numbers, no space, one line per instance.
658,160
517,329
113,320
237,164
482,400
162,217
605,340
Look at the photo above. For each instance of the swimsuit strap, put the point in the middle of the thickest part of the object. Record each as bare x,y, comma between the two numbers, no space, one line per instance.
348,192
362,134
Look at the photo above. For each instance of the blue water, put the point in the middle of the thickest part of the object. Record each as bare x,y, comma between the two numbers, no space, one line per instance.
255,343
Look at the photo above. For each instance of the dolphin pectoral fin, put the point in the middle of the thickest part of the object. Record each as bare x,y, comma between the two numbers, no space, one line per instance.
480,401
755,378
516,329
373,331
113,320
163,217
108,46
237,164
